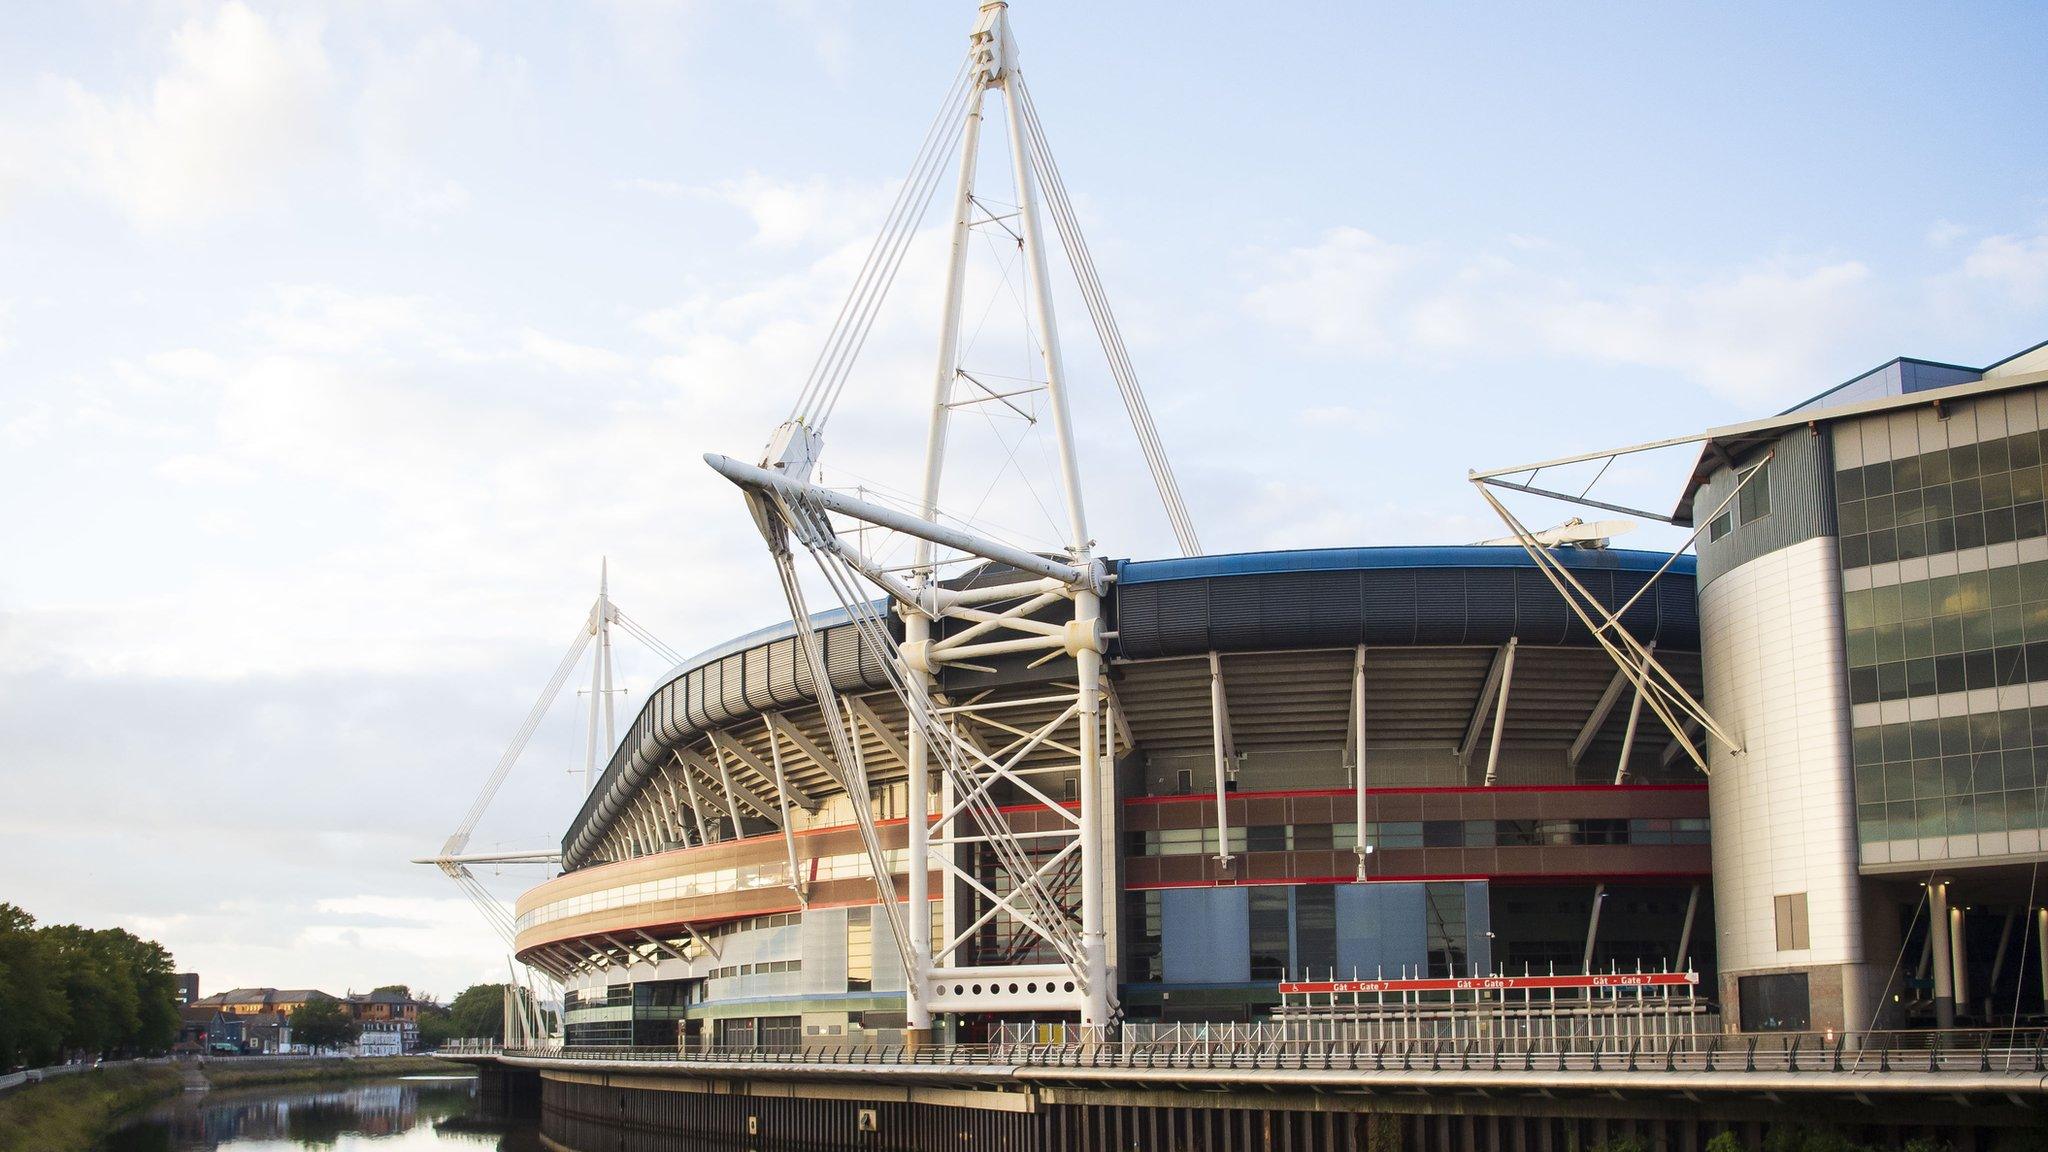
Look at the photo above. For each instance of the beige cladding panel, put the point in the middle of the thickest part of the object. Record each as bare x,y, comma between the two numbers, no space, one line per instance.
1782,809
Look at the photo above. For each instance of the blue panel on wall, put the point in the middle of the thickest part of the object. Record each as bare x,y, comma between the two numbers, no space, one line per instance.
1205,935
1380,929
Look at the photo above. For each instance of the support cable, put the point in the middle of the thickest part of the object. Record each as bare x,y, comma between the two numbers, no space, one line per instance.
1068,225
857,314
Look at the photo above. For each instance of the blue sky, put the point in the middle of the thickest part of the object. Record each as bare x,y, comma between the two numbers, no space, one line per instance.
336,347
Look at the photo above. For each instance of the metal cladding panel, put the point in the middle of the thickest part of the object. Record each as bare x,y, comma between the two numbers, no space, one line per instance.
758,672
1387,607
1205,935
1547,619
1248,607
1802,485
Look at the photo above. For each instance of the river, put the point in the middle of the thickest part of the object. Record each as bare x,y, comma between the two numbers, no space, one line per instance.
410,1114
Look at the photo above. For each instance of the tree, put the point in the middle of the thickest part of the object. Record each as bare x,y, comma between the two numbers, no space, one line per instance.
395,989
323,1024
477,1014
66,989
34,1014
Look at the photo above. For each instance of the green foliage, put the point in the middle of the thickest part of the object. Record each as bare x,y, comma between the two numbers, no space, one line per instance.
1623,1144
66,989
323,1024
404,990
1726,1141
479,1013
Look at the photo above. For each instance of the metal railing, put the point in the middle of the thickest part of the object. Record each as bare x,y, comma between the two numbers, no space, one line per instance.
470,1047
1959,1051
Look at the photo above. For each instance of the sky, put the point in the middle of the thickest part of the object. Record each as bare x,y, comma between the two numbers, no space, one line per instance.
340,346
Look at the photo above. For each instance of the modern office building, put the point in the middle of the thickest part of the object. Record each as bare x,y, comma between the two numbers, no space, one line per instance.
1874,622
1867,617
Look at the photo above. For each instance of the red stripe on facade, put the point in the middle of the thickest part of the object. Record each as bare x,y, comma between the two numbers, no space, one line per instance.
1447,790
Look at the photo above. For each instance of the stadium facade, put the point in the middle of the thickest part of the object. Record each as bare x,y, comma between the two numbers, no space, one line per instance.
1418,762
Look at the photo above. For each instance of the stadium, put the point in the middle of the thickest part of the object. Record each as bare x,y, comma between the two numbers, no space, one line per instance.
1788,777
715,875
1406,764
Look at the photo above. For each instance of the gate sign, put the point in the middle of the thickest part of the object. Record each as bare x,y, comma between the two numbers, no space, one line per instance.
1493,983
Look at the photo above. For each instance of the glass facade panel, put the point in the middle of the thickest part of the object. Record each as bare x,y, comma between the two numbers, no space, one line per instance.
1940,501
1968,631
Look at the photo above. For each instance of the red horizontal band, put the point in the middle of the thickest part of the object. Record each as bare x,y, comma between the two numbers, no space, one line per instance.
1444,790
1493,983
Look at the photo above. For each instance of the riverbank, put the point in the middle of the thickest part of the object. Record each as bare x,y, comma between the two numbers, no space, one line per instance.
70,1114
253,1071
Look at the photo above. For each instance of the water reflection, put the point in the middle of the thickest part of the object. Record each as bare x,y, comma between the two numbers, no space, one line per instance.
440,1114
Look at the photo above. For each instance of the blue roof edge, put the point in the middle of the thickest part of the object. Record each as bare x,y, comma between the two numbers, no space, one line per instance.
1355,559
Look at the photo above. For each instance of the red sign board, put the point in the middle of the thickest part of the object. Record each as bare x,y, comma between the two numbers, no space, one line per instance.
1495,983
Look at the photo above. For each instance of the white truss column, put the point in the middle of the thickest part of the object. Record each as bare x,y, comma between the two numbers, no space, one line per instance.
917,787
1041,306
1097,1008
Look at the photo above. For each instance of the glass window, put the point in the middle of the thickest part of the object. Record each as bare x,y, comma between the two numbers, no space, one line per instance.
1266,838
1268,932
1755,502
860,949
1315,928
1312,838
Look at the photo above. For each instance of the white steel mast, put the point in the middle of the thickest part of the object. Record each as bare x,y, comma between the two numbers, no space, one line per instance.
1035,892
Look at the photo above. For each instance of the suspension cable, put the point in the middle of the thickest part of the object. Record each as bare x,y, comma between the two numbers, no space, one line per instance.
871,286
1068,225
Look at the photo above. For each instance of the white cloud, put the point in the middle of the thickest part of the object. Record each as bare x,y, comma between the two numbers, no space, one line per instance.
2016,266
787,213
194,468
575,359
1751,335
239,107
1341,291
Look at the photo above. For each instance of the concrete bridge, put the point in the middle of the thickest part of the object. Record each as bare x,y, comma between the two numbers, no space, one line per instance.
1961,1088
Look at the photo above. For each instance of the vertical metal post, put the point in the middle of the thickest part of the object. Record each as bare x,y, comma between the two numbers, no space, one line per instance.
696,805
949,326
917,1014
796,881
596,693
1358,758
1959,964
1500,712
1944,957
1692,907
604,651
1041,309
1095,1010
1635,715
1219,722
1593,927
2012,916
732,802
917,626
2041,947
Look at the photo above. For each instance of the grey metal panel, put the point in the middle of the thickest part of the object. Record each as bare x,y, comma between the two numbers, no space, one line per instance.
1380,929
1802,504
714,691
1205,935
824,951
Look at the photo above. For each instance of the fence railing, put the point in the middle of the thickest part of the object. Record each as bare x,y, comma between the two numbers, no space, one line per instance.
1959,1051
14,1080
470,1047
